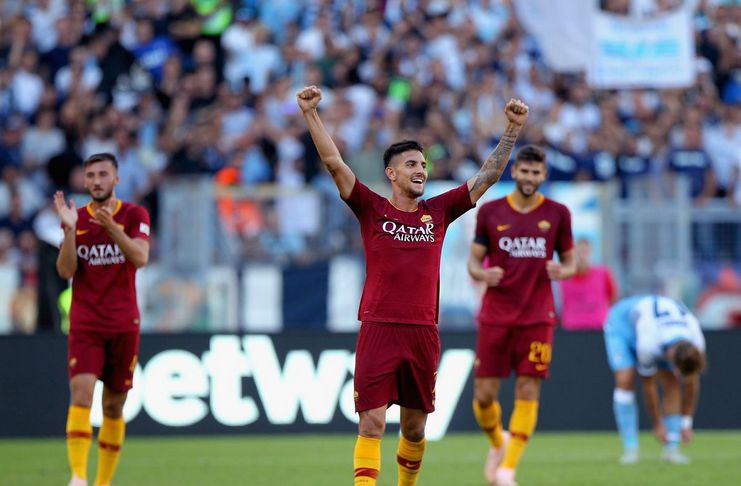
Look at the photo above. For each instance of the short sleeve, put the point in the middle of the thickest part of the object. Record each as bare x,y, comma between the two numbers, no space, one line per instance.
453,203
481,235
612,288
564,240
696,336
139,223
360,199
648,347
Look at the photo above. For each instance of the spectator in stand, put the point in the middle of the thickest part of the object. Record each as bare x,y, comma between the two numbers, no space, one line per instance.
15,220
587,296
152,51
42,140
214,82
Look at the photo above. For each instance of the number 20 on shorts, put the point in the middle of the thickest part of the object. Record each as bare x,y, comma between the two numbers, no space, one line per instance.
540,354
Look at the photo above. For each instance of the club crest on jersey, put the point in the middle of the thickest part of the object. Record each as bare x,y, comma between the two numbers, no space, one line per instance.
544,225
426,218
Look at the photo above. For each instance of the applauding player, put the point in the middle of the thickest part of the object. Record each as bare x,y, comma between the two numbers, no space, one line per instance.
104,243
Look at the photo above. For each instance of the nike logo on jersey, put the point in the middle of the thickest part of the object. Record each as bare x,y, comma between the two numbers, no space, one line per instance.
81,232
502,227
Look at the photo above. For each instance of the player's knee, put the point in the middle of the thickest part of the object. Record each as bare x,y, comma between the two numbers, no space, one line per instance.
625,379
414,434
484,393
113,410
113,407
527,389
81,397
372,426
483,400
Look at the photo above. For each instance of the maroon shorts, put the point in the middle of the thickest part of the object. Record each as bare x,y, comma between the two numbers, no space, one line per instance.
111,356
396,363
525,349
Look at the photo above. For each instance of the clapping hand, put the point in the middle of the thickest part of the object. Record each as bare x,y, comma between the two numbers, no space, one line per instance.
68,214
104,215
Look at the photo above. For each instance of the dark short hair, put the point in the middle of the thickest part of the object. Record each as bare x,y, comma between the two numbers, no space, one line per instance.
399,147
687,358
101,157
530,153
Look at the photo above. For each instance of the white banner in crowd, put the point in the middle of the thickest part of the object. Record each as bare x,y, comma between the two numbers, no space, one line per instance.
653,53
560,29
616,51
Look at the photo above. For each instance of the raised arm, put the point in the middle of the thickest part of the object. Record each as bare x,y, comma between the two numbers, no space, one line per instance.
308,99
496,162
67,258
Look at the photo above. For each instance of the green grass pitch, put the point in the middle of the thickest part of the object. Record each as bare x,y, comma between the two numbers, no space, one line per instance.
569,459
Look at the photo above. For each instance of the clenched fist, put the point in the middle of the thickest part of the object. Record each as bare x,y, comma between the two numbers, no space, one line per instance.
516,112
308,98
493,276
554,270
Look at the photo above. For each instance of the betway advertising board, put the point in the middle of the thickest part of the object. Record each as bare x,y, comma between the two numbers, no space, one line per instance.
177,388
302,383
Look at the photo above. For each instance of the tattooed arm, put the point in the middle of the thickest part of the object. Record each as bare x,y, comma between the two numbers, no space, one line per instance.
496,162
308,99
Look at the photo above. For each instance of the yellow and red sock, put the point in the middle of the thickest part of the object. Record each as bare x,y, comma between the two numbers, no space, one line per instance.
79,438
367,461
490,421
110,440
409,458
521,427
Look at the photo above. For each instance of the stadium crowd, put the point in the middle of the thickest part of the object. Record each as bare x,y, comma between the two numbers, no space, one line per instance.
208,87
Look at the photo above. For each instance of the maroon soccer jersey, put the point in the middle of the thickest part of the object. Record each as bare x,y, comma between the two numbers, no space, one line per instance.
521,243
402,254
103,287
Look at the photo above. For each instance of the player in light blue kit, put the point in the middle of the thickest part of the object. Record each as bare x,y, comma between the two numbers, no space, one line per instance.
658,337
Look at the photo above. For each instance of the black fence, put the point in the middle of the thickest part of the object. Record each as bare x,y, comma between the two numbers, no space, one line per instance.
302,382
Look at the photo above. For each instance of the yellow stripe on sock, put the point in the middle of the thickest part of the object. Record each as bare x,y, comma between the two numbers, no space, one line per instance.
490,420
79,438
110,440
521,427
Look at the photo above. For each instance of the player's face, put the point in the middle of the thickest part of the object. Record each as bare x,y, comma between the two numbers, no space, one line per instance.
408,170
100,179
528,176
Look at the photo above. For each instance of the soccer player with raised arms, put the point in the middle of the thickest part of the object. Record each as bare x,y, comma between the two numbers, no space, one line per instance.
518,234
658,337
104,243
398,347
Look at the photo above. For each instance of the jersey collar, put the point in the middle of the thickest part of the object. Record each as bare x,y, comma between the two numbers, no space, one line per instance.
89,207
510,201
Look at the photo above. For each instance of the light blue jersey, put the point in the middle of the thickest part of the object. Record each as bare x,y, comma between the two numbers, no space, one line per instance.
640,328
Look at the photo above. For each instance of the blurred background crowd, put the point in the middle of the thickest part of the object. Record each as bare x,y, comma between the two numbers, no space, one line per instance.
207,87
